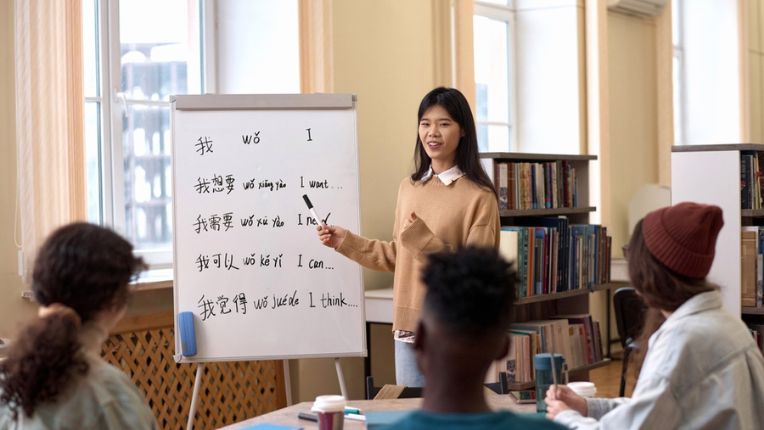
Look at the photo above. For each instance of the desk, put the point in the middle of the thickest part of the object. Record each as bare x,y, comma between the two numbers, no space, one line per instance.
288,416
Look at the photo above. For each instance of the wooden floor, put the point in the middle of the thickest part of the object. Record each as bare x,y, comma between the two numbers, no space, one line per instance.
608,378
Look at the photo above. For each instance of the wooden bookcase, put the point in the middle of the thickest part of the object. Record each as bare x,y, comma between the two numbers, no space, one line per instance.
711,174
544,306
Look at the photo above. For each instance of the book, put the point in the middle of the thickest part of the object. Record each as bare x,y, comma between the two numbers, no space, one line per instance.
524,396
760,268
745,182
508,246
588,342
512,176
749,238
502,183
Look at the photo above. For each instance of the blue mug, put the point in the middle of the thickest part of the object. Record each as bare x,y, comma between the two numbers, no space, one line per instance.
542,365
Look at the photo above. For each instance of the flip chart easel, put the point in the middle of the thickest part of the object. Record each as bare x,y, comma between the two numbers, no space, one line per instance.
250,272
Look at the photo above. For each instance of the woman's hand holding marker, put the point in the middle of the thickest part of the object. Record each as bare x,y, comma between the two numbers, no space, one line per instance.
331,235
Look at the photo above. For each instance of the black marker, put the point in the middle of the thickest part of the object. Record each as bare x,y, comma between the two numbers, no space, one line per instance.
312,210
307,416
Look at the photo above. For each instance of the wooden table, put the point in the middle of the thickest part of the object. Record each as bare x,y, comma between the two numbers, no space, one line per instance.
288,415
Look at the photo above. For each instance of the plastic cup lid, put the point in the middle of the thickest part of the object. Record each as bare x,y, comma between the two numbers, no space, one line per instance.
581,385
583,388
330,403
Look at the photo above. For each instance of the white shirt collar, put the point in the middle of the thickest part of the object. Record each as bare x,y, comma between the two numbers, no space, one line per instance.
447,177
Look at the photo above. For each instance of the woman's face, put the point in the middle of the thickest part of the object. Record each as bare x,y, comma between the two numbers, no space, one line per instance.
440,136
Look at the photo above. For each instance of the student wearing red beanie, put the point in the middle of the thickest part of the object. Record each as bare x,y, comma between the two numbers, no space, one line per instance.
701,368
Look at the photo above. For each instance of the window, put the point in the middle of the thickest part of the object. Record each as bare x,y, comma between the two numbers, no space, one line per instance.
493,26
137,53
678,70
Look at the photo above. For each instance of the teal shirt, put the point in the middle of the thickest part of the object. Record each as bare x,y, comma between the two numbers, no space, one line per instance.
483,421
104,398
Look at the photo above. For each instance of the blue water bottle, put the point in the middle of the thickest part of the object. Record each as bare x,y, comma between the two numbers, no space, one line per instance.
542,363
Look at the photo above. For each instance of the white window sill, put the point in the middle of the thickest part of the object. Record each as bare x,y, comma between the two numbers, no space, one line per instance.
154,279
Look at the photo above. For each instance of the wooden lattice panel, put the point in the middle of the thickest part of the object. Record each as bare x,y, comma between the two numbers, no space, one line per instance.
231,391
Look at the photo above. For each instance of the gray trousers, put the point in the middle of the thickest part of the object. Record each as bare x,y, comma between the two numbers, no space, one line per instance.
406,371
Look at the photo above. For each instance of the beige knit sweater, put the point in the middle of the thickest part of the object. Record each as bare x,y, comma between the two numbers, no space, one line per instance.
448,216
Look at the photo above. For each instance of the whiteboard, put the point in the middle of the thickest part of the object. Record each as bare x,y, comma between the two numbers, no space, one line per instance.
247,259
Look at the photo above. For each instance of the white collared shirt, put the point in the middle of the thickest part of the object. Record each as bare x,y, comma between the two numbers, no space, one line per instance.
702,371
447,177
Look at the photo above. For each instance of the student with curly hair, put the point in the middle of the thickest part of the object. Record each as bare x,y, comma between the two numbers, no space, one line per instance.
466,315
447,202
701,368
54,376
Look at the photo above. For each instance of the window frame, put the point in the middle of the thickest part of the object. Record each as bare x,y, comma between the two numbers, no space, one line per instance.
680,101
113,105
506,14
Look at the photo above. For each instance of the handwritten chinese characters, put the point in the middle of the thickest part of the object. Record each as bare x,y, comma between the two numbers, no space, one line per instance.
222,305
225,261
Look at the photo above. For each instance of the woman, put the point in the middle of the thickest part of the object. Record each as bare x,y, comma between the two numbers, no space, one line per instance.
54,376
701,369
447,202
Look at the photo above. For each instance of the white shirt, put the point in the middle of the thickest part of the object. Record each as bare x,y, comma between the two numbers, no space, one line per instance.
702,371
447,176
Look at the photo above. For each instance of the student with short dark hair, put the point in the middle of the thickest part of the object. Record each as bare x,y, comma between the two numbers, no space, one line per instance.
701,368
466,314
449,201
54,376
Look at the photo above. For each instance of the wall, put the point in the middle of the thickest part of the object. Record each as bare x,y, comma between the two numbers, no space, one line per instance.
383,53
13,309
625,119
633,116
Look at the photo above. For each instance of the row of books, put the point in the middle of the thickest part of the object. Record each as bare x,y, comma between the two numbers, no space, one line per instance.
751,178
552,255
576,337
757,331
752,266
524,185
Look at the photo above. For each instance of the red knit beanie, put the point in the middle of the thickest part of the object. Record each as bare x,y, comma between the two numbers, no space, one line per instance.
683,237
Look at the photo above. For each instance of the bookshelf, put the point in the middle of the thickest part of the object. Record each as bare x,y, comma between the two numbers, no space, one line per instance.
515,211
567,294
713,174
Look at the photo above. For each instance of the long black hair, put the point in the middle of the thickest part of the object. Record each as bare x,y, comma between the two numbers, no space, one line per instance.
81,269
467,157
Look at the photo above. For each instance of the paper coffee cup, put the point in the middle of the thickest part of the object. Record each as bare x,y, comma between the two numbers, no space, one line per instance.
330,410
583,389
